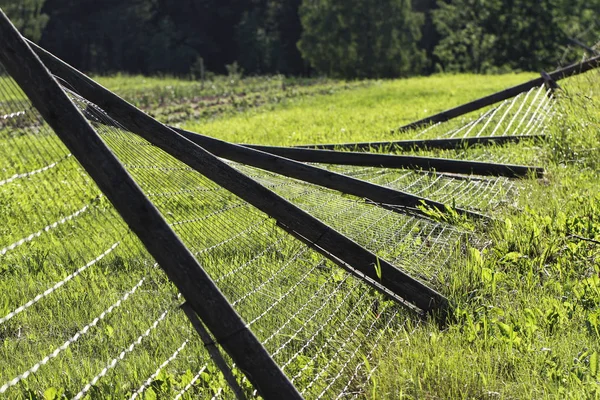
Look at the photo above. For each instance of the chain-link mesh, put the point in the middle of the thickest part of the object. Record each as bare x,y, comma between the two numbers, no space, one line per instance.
84,308
316,320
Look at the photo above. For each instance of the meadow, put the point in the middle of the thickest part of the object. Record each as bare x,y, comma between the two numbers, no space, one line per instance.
525,288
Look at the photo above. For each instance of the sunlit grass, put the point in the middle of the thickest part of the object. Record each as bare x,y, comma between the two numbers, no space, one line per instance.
363,114
526,322
526,293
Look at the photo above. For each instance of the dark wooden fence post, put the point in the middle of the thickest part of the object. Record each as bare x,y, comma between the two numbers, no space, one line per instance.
425,144
398,161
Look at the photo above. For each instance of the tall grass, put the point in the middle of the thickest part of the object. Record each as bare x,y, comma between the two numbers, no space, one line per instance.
526,322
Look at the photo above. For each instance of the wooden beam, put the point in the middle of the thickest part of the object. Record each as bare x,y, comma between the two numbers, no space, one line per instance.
337,246
396,161
584,46
549,83
425,144
139,213
502,95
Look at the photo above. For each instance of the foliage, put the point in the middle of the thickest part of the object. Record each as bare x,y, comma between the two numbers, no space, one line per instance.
266,37
358,39
465,43
26,15
348,39
429,35
168,36
485,35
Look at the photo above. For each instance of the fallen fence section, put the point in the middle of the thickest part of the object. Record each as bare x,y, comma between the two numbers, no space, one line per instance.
474,105
126,166
339,248
497,97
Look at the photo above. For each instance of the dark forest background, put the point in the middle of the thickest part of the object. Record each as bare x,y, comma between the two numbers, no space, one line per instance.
338,38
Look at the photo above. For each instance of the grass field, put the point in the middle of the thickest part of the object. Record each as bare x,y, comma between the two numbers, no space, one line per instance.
526,322
525,290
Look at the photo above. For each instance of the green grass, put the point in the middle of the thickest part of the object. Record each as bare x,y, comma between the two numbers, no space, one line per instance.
526,318
525,290
175,101
368,113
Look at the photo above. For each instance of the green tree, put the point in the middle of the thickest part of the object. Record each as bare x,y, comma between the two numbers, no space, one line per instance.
138,36
429,35
361,38
580,19
467,43
486,35
267,35
26,15
529,35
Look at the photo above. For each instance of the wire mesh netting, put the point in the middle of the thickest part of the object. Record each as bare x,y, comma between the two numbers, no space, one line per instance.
414,243
87,312
524,114
84,308
317,321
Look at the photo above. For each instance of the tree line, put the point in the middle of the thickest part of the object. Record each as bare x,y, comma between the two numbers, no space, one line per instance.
338,38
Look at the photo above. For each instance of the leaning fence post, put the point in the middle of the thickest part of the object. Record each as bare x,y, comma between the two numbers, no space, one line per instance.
584,46
549,83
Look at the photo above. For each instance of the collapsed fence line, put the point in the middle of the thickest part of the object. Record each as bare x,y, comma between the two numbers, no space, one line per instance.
515,117
430,234
139,213
221,338
214,352
583,46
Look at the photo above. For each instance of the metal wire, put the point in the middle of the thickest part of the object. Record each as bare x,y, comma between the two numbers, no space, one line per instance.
319,323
